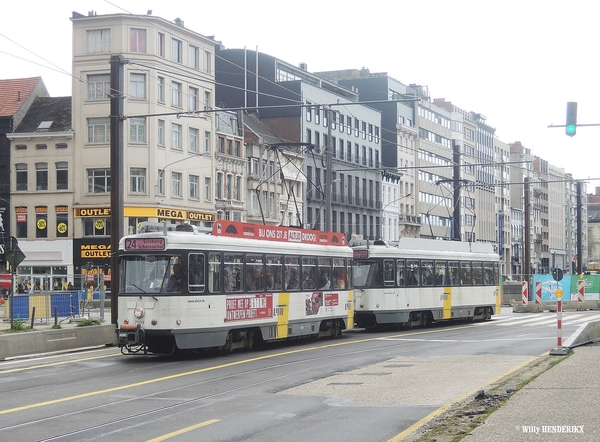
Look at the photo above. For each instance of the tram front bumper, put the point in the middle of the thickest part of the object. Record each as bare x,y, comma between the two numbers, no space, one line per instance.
130,335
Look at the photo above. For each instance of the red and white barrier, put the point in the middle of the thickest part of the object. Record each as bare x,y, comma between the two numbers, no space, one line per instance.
525,292
559,321
580,290
538,292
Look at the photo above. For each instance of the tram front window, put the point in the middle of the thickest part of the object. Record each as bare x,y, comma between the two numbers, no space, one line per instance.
366,274
147,274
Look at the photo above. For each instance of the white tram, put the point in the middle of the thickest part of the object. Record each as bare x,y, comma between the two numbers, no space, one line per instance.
421,281
231,288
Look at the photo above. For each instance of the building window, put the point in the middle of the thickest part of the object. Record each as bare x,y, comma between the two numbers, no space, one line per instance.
221,145
219,189
137,130
308,111
176,184
61,145
161,45
161,90
207,105
160,182
194,136
238,188
161,133
98,41
21,147
137,86
41,222
137,40
194,98
207,189
193,57
98,180
21,176
176,94
96,227
98,130
207,143
238,149
21,213
41,146
41,176
229,187
137,180
207,61
176,136
98,87
176,50
62,221
62,175
194,187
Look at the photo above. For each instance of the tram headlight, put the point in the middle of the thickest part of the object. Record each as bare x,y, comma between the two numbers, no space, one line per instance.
138,313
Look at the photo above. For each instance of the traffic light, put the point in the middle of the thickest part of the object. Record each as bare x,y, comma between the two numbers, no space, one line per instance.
571,127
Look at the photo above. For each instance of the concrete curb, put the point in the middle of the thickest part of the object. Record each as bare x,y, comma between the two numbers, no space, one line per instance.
34,342
586,333
531,306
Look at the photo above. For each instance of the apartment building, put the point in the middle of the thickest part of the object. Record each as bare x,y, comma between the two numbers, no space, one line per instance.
305,110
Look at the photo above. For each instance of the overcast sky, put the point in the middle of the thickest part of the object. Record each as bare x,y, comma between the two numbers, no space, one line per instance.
516,62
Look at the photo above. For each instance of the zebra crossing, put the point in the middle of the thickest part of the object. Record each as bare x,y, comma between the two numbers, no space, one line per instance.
545,319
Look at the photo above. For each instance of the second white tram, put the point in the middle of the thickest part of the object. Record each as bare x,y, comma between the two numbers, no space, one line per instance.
231,288
421,281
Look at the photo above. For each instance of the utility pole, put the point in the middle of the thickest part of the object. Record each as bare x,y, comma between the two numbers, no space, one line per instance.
456,217
117,75
579,230
328,173
527,234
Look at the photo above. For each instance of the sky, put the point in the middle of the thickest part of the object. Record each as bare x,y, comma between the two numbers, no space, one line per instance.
516,62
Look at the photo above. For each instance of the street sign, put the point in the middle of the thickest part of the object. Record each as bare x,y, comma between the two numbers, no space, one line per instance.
15,257
557,274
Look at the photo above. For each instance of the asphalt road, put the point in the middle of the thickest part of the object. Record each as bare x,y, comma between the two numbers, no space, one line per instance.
363,386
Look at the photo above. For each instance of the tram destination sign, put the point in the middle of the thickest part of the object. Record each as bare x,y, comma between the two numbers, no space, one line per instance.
144,244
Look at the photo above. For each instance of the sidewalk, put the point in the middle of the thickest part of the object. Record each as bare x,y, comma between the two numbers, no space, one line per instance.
559,405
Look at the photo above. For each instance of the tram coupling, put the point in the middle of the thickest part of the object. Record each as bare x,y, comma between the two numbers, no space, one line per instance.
130,335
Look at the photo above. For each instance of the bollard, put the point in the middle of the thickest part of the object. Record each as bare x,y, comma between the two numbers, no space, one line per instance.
32,316
524,291
538,292
55,315
580,290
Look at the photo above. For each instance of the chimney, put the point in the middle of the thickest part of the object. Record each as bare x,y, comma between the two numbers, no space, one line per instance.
179,22
303,66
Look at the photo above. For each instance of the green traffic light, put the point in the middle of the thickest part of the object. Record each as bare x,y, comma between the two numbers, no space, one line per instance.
571,129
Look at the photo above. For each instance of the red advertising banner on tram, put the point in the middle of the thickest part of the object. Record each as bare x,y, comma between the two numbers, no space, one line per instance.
276,233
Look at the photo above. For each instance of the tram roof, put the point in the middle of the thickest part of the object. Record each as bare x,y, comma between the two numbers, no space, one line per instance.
430,248
190,241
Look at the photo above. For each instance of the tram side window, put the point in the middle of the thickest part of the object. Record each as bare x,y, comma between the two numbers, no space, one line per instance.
274,271
465,273
254,273
232,272
349,274
412,272
496,280
489,274
175,276
196,272
388,273
309,273
339,273
214,272
400,281
292,272
324,273
477,273
441,273
454,272
427,277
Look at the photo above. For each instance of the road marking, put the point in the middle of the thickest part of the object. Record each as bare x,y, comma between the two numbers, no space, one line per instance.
54,364
414,427
184,430
207,369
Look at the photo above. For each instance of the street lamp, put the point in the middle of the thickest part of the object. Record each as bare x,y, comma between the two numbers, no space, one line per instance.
161,172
